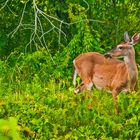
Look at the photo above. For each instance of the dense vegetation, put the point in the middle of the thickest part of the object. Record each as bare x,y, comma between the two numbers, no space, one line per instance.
38,42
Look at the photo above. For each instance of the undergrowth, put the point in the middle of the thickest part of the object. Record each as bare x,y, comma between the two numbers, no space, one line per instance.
36,105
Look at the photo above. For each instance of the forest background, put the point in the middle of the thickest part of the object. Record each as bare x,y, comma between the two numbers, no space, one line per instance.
38,42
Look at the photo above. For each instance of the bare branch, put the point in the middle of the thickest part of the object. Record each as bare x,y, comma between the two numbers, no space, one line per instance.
42,36
37,26
59,39
35,14
47,32
11,11
87,5
83,20
5,4
21,19
30,42
45,16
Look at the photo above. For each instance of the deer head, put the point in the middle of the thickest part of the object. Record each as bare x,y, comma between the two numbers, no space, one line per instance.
125,48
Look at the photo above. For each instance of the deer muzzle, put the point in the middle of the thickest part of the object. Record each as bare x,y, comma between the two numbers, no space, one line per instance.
108,55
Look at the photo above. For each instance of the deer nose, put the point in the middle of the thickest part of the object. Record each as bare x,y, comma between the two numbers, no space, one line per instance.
108,55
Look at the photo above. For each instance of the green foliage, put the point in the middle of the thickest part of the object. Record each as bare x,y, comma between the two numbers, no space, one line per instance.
8,129
46,108
55,113
36,93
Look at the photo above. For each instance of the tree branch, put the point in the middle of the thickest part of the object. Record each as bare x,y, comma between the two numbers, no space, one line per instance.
20,22
5,4
37,27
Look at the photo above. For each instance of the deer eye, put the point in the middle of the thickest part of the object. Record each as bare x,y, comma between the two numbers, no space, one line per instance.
120,48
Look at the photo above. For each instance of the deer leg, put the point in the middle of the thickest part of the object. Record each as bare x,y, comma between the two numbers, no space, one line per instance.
84,86
89,87
79,88
115,94
134,86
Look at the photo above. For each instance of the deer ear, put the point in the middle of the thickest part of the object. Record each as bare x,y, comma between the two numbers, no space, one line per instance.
135,38
126,37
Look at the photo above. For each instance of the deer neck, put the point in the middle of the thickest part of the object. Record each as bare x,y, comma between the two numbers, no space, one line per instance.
131,66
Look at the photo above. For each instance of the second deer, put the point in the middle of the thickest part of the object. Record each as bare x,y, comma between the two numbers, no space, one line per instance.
107,72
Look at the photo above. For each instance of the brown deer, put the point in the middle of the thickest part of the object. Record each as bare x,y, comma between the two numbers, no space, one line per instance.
107,72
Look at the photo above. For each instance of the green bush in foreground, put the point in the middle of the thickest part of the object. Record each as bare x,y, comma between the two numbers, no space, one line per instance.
8,129
54,113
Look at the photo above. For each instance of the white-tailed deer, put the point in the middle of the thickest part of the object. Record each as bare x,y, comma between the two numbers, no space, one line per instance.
107,72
